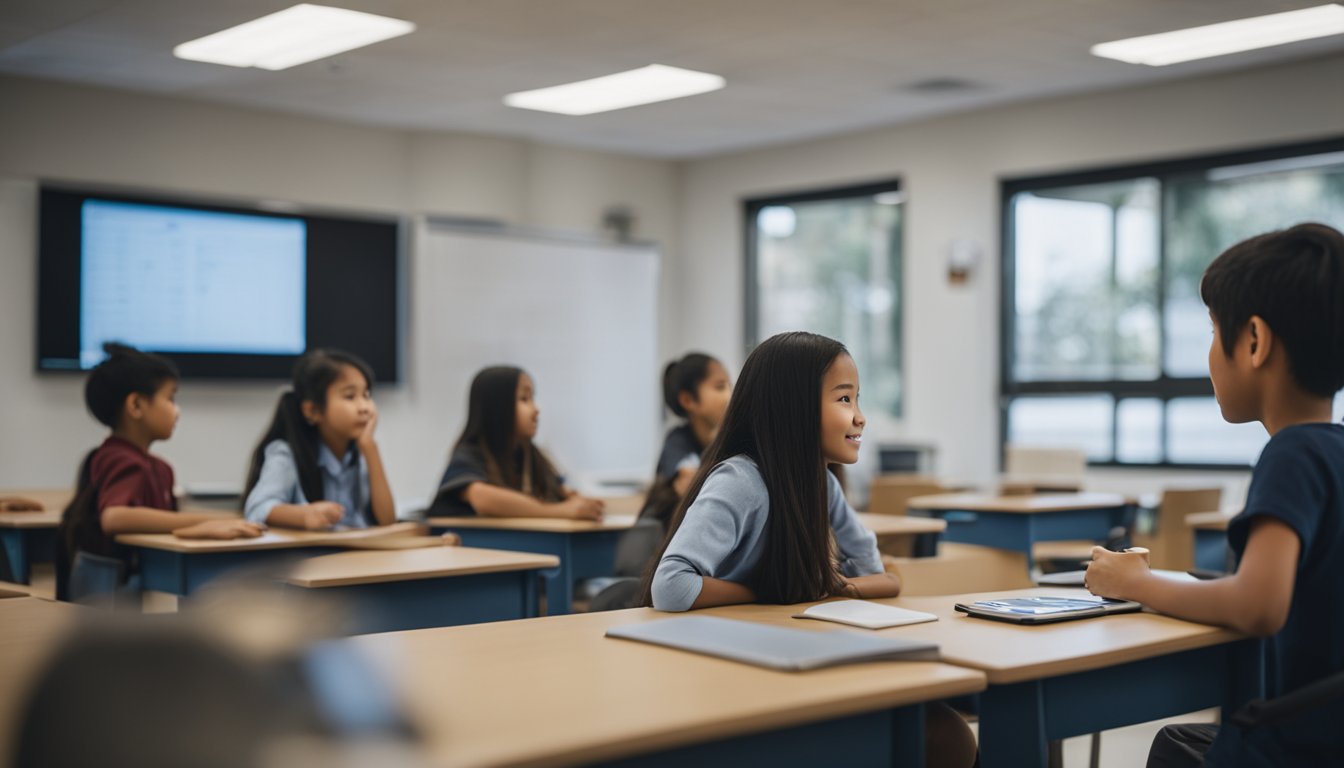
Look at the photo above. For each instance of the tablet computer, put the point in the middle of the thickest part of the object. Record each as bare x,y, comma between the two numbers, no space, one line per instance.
1046,610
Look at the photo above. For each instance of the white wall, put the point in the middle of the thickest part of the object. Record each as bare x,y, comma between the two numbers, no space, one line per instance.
63,132
951,168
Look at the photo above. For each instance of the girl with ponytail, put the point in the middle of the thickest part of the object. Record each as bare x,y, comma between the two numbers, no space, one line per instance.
318,465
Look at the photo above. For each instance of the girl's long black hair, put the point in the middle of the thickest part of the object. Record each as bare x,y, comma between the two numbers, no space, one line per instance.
492,408
774,418
313,375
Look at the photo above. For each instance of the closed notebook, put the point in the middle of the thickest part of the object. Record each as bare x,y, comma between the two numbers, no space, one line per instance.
861,613
792,650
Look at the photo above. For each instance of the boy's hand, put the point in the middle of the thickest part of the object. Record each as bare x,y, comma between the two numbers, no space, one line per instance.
582,508
451,539
321,515
366,437
1114,574
221,529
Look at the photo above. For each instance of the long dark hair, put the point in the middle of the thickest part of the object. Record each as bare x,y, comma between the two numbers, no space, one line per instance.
774,418
80,528
313,375
684,375
492,416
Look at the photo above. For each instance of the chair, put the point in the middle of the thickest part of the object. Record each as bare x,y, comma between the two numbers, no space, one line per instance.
1170,541
634,549
890,495
100,580
1029,469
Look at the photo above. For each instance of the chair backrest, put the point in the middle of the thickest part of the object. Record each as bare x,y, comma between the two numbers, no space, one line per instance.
889,494
1033,469
1169,538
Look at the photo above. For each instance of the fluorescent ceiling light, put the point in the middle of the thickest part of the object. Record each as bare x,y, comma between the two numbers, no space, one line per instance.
1228,37
645,85
293,36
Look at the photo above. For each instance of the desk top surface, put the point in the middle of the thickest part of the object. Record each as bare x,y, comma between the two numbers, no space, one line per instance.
554,690
537,524
1010,653
53,500
1054,502
28,629
1209,521
377,537
375,567
900,525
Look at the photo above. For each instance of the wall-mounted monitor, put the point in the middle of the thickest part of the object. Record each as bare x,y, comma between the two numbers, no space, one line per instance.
227,292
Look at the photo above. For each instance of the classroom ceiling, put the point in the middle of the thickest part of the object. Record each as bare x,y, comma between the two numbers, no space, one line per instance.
796,69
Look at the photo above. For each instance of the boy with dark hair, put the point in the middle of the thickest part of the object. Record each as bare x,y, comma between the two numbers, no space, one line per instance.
1277,357
122,487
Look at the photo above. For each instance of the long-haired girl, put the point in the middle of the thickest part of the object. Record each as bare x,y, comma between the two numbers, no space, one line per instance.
495,469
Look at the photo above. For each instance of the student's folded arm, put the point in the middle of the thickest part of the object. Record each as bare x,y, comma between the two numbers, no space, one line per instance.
1255,600
493,501
707,536
123,519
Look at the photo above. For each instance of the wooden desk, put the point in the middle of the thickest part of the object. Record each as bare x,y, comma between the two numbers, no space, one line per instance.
1017,522
1059,680
554,691
29,630
430,587
181,566
586,549
924,530
29,537
1211,550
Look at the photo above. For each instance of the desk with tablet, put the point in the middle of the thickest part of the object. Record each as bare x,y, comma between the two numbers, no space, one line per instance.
555,691
403,589
30,537
181,566
1055,681
924,530
1211,550
587,549
1017,522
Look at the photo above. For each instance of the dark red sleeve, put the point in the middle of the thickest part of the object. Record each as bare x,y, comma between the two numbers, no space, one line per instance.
123,481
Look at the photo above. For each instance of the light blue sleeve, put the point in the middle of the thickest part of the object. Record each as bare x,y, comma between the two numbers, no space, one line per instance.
858,545
278,483
712,530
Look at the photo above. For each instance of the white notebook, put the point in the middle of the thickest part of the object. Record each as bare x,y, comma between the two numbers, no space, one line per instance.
861,613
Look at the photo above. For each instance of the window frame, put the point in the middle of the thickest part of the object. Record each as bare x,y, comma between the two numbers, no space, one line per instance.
751,207
1164,388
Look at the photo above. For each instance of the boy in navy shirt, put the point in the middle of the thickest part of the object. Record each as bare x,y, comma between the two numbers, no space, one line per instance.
1277,357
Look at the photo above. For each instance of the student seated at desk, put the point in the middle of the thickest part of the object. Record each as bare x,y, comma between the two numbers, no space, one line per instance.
122,488
758,520
318,464
695,388
495,469
1277,357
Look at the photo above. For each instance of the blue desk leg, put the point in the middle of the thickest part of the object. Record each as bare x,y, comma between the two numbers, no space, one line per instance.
925,545
16,552
889,738
1018,720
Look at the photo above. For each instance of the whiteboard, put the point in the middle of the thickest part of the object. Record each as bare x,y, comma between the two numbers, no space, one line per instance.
580,316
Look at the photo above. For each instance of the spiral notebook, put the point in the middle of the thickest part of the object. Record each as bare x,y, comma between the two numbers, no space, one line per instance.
793,650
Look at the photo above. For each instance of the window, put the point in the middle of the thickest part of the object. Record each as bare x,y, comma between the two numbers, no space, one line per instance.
830,263
1105,340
